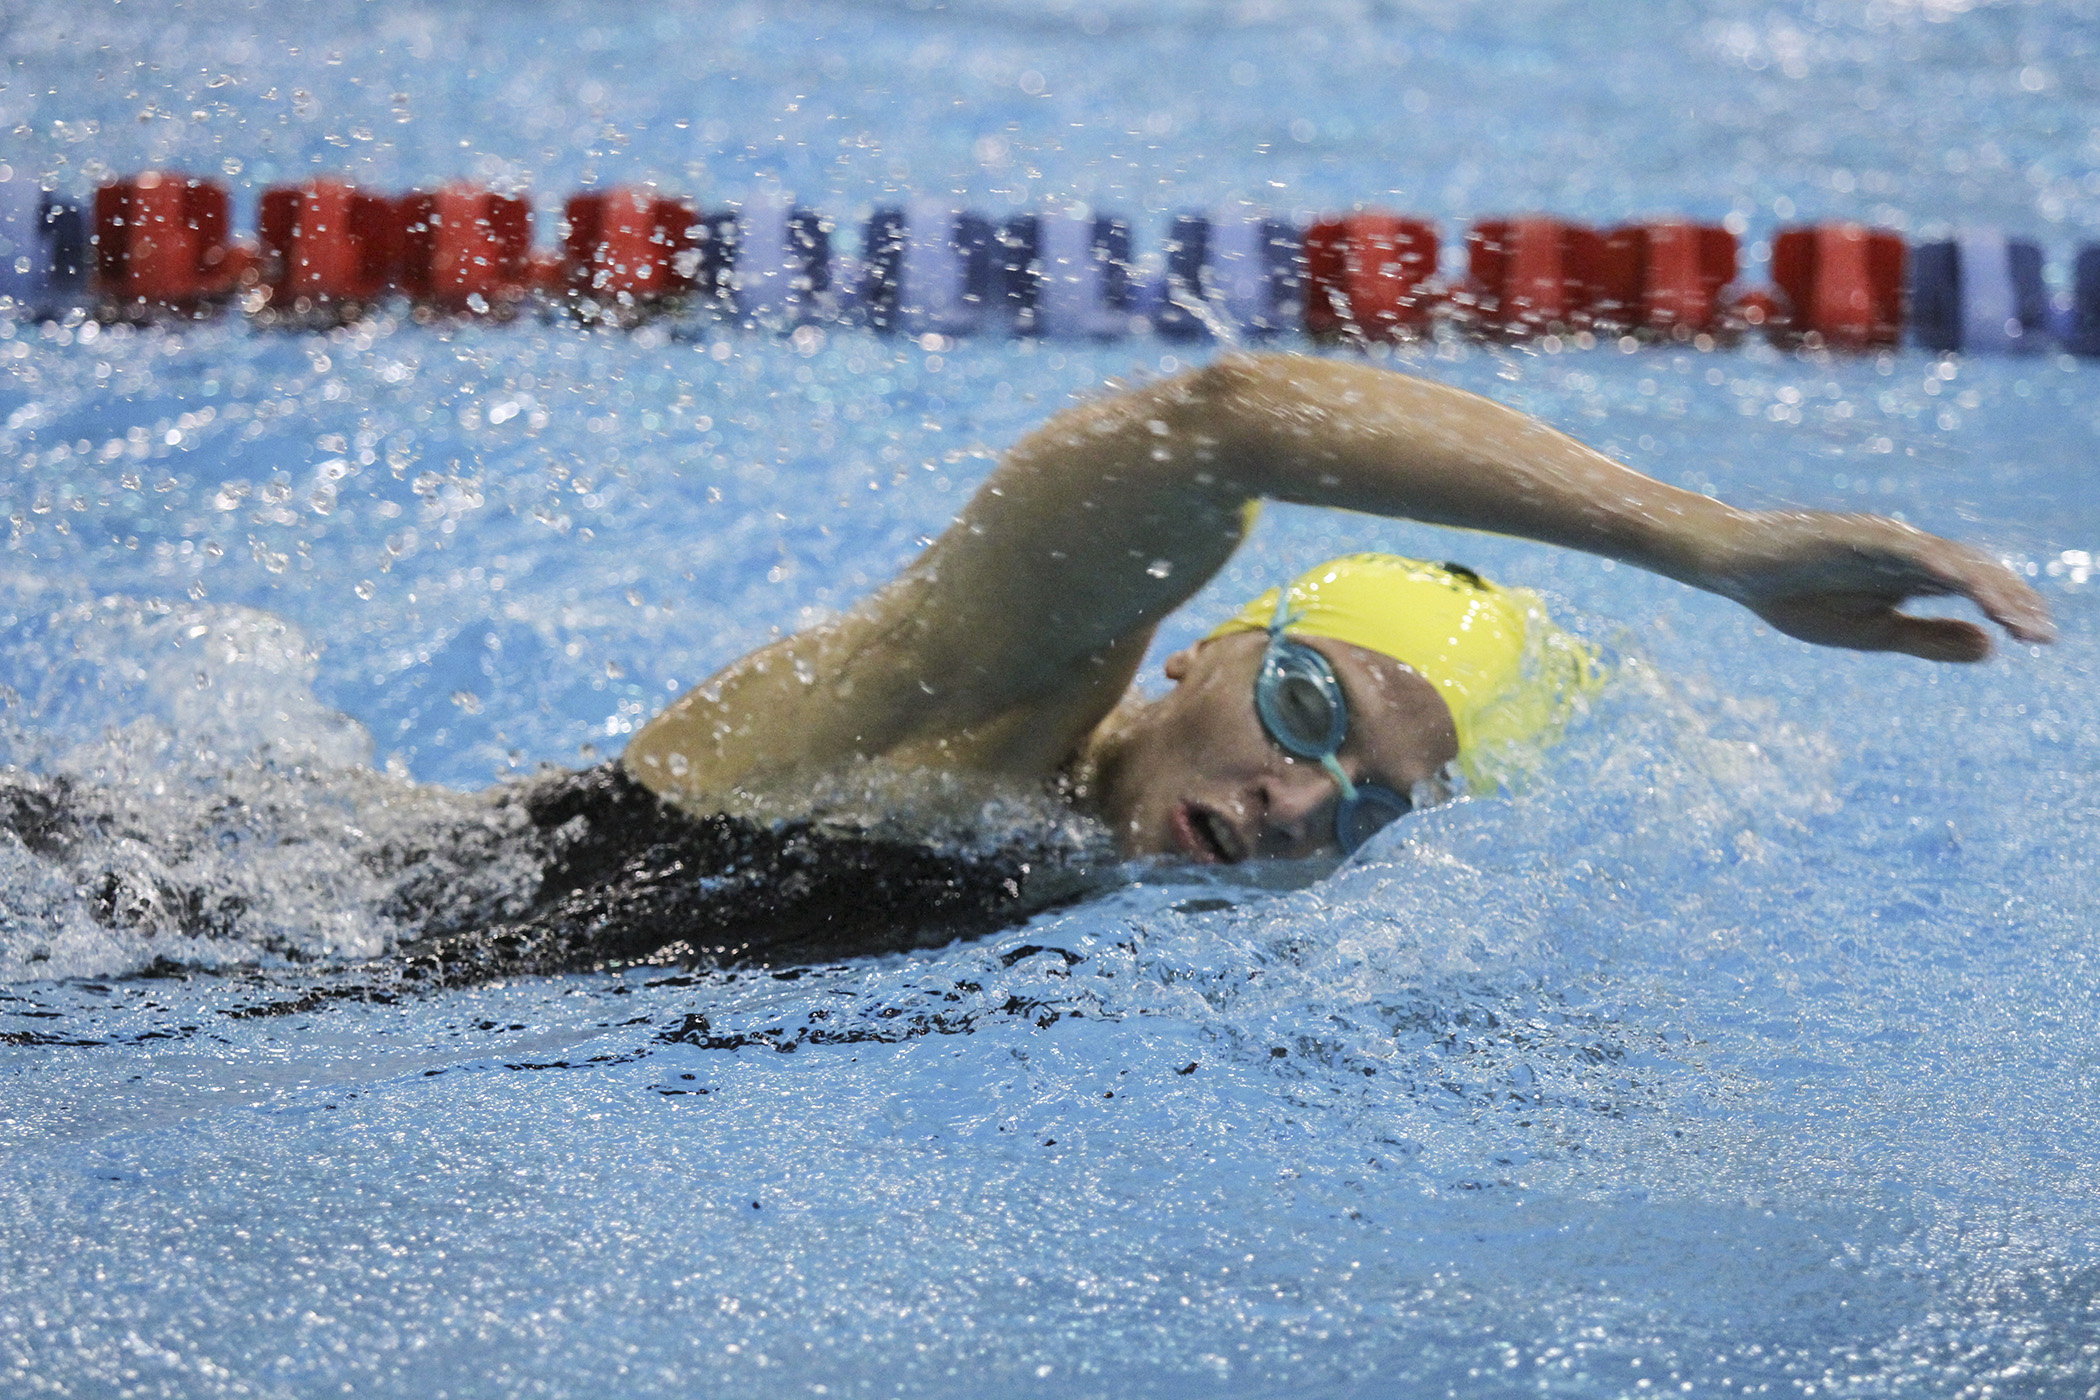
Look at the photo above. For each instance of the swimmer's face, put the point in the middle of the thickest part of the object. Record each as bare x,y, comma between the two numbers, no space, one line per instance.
1196,775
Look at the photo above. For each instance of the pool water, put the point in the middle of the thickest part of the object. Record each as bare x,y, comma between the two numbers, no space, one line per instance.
1746,1048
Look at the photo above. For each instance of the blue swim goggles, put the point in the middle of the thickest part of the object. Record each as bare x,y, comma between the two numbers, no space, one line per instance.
1300,702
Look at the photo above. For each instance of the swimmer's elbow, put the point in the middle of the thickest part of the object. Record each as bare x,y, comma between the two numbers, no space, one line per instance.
1231,379
1222,429
1206,401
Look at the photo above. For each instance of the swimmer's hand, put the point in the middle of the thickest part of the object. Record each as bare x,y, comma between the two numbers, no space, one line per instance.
1841,581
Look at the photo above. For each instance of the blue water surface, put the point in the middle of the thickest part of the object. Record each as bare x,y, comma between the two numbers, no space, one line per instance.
1745,1048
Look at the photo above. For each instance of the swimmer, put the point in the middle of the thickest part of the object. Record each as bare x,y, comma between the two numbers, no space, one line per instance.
1004,658
1009,648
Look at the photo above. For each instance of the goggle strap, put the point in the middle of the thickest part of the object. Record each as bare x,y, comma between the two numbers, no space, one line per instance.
1333,766
1284,616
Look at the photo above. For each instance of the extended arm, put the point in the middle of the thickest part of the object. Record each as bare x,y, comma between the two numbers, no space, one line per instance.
1018,630
1338,434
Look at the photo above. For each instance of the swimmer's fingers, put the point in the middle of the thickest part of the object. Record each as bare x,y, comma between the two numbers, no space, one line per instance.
1922,565
1840,580
2005,597
1864,623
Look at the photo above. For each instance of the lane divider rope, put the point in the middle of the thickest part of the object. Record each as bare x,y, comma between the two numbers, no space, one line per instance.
160,245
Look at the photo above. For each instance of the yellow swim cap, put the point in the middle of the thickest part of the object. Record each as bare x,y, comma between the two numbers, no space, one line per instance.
1510,676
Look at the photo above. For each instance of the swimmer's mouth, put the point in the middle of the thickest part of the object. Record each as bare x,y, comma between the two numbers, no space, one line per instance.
1206,837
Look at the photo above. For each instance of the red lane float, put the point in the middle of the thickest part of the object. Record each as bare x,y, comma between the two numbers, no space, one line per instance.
1842,284
1666,278
328,249
162,245
1367,277
1533,275
629,249
465,249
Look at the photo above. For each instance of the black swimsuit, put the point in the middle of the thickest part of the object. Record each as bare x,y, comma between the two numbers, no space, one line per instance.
623,878
630,878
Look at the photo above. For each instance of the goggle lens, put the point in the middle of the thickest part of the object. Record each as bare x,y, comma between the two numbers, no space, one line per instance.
1300,704
1373,809
1304,711
1300,701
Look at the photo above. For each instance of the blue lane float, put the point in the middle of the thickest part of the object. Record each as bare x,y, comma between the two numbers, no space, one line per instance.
929,269
778,265
1981,293
43,251
1069,277
1231,277
2080,330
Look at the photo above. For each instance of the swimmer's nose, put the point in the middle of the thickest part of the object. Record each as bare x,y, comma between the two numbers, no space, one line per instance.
1293,802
